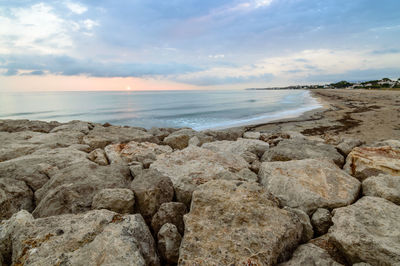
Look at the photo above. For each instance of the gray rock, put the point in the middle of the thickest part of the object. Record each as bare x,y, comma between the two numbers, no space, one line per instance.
9,125
193,166
368,231
298,149
72,189
94,238
98,156
348,144
80,126
383,186
14,196
363,162
309,184
234,222
170,212
394,143
119,200
309,254
308,231
225,134
180,139
169,241
135,152
251,135
136,168
151,189
321,221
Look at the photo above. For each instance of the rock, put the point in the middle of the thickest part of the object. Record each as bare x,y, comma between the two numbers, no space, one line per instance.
136,168
308,231
309,184
161,133
361,264
347,145
364,162
9,125
80,126
169,241
234,222
98,156
72,189
180,139
35,169
241,147
100,136
193,166
274,139
59,139
321,221
151,189
383,186
309,254
98,237
298,149
327,245
394,143
119,200
172,213
225,134
251,135
368,231
15,195
135,151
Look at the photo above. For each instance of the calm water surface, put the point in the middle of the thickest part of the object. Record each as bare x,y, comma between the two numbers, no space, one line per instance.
195,109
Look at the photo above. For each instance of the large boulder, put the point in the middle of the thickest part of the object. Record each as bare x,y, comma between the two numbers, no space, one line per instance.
15,195
180,139
225,134
16,144
9,125
151,189
308,231
252,135
99,237
98,156
310,254
298,149
101,136
135,151
348,144
309,184
363,162
119,200
394,143
193,166
79,126
235,222
240,147
72,189
383,186
368,231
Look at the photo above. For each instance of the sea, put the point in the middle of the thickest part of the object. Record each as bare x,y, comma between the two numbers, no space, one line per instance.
199,110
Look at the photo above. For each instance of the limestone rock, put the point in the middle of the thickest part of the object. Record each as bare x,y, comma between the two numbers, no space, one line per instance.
101,136
161,133
368,231
327,245
170,212
310,254
235,222
298,149
80,126
383,186
180,139
135,151
394,143
98,237
136,168
15,195
364,162
151,189
9,125
98,156
241,147
72,189
308,231
225,134
169,241
119,200
193,166
309,184
252,135
321,221
347,145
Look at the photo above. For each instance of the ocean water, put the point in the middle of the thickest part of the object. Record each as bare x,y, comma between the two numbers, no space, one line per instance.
196,109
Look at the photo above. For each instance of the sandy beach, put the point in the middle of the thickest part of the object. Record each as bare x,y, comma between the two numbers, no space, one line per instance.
368,115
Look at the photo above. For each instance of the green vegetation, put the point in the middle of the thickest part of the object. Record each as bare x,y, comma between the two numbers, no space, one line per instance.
341,84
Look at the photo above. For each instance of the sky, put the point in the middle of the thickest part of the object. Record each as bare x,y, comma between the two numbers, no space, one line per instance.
195,44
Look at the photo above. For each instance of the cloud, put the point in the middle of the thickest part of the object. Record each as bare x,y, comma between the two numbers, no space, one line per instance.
77,8
216,56
89,24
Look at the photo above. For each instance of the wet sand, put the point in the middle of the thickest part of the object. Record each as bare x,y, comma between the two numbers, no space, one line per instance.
368,115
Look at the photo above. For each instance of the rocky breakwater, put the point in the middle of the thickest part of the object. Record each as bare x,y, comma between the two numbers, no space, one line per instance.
82,193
